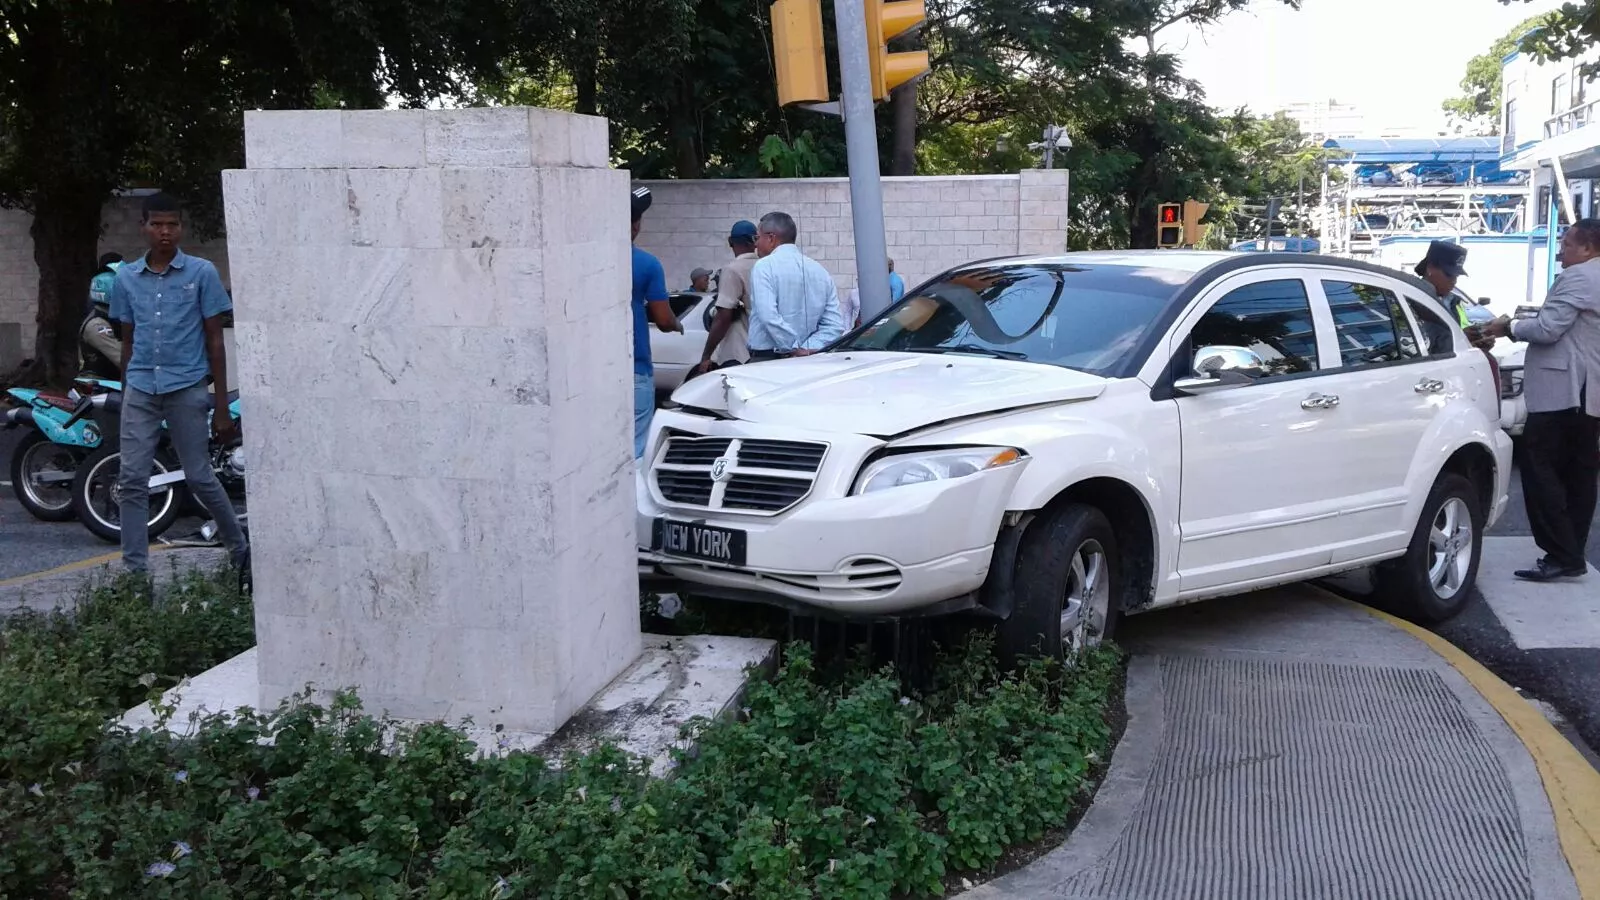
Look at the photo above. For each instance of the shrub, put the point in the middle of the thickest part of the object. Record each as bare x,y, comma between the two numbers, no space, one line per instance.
837,787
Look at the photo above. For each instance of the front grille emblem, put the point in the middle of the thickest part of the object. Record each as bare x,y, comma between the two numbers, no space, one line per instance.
719,469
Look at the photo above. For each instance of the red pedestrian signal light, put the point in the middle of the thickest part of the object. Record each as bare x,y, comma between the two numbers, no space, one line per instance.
1169,225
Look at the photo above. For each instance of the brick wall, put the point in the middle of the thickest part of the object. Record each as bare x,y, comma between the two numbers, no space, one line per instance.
931,223
19,277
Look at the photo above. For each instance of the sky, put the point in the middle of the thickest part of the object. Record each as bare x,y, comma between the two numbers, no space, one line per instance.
1395,59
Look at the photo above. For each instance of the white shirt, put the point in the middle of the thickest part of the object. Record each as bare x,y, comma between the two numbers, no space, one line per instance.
794,303
850,307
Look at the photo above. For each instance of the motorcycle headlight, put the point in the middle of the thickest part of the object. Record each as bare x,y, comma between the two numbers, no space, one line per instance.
936,465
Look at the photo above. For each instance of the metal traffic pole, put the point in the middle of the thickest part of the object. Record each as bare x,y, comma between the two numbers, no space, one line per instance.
861,148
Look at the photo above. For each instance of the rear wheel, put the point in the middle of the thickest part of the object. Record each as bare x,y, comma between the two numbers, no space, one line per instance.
41,476
97,500
1434,580
1068,579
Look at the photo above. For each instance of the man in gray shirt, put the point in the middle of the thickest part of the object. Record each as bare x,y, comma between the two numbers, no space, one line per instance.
1561,385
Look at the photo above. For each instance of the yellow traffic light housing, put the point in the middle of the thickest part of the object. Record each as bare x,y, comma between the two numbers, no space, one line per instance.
885,21
798,52
1169,225
1193,231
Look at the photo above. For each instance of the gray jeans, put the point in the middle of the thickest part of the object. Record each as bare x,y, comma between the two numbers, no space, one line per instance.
190,432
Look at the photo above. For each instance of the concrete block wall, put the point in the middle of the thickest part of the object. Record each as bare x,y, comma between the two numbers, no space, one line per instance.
459,539
19,276
932,223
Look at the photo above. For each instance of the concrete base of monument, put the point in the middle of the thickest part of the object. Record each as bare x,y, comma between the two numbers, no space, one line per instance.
674,681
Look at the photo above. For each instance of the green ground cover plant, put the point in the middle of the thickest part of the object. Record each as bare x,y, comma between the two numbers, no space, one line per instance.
844,785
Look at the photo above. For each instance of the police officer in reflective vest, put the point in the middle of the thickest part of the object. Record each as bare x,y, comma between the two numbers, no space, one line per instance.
1445,263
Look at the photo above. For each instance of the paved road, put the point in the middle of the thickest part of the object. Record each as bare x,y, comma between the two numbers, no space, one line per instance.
29,545
1567,678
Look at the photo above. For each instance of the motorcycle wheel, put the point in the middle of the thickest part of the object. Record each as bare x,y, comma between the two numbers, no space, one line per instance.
96,499
41,476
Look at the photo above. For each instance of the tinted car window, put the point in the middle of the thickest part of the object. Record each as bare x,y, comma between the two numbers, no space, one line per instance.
1272,318
1437,339
1371,326
1084,317
682,303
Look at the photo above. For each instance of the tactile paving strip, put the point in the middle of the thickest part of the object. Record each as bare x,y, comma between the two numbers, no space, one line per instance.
1304,781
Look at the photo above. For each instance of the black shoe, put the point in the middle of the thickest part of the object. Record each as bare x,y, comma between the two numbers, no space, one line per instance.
1545,570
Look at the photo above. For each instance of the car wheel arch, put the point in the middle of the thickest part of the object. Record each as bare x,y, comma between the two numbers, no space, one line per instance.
1132,520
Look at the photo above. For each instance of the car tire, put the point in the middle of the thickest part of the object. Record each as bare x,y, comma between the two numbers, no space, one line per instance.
23,455
1433,582
1067,557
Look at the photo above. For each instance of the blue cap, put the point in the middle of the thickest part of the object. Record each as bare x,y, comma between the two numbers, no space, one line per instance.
743,229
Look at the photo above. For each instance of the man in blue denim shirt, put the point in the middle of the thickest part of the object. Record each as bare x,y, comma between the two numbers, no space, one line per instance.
171,306
650,304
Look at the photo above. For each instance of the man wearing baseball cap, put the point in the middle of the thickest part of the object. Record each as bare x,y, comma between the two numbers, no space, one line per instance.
727,342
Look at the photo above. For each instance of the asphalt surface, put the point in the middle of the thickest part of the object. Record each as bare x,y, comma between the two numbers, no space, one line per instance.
1568,680
30,545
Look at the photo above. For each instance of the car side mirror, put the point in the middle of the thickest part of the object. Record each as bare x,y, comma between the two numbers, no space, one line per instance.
1221,367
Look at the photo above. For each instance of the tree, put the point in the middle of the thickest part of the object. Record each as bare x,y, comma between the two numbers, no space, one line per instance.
97,95
1478,108
1568,32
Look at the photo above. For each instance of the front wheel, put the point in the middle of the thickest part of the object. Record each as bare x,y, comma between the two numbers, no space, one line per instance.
1068,581
41,476
1433,581
97,499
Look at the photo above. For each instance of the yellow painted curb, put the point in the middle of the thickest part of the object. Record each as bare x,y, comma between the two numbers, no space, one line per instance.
78,566
1572,785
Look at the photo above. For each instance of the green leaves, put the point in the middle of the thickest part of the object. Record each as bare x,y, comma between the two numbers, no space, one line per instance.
841,786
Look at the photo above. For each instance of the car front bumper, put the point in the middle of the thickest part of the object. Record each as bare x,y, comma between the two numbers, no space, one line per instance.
894,552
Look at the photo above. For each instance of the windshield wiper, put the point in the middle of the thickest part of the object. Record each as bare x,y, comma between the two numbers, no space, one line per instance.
971,348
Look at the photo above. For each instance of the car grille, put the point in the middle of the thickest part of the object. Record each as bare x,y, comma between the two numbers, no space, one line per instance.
758,475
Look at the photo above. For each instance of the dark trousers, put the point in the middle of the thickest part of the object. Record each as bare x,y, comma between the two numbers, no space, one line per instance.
1560,466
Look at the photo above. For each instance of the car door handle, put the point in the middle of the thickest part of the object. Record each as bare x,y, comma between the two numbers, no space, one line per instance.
1320,401
1429,386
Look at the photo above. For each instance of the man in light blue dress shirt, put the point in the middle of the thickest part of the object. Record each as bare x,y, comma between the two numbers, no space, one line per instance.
171,306
794,304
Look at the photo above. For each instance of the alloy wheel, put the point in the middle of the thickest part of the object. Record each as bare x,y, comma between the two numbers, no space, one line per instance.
1450,548
1087,604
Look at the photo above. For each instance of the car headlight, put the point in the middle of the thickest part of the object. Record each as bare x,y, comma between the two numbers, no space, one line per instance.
1510,383
937,465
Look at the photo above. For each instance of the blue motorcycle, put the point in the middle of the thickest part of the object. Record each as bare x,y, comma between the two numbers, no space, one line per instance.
47,457
96,496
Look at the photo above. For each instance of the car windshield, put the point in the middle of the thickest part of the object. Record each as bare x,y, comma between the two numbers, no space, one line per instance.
1085,317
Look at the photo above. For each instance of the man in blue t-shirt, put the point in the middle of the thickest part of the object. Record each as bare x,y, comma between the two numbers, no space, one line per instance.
897,285
649,305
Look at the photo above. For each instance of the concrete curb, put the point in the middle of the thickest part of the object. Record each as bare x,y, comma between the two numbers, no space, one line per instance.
1571,783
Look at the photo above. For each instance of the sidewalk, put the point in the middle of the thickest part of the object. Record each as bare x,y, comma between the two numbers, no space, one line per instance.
1291,745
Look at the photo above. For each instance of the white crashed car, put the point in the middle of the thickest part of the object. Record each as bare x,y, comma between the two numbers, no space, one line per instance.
675,354
1054,442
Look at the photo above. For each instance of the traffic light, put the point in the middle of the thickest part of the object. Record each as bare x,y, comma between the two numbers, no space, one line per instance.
797,52
1169,225
887,20
1193,231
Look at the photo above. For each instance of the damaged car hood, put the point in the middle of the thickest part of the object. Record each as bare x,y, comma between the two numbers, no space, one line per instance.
881,393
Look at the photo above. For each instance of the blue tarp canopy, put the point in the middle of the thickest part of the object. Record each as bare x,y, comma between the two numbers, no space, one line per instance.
1461,151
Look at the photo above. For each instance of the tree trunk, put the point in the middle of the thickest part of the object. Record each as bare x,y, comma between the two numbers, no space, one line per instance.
685,130
66,237
904,155
586,82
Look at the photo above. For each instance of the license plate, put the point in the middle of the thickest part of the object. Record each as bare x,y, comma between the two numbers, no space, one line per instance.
707,542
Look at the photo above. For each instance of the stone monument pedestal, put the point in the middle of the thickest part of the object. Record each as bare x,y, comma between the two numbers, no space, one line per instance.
433,334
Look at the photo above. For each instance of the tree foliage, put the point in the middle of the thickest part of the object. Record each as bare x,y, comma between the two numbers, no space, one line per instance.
1569,31
97,95
1479,105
